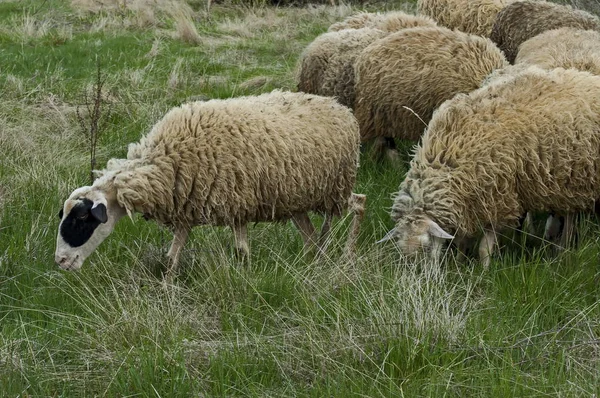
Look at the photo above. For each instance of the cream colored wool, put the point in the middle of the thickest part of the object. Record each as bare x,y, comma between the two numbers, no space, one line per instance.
529,142
564,48
470,16
392,21
417,68
522,20
248,159
326,67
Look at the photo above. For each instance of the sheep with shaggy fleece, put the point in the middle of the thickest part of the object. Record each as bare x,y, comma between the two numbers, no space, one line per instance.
522,20
326,66
470,16
527,142
403,77
392,21
563,48
272,157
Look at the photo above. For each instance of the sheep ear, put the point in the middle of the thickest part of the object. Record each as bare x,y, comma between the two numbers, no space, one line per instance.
437,231
99,212
390,235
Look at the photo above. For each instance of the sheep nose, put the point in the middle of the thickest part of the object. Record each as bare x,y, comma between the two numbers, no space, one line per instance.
60,260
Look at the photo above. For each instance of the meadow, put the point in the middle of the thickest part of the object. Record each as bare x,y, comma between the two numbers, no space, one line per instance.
280,325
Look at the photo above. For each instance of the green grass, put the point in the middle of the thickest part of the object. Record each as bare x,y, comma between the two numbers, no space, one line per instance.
280,325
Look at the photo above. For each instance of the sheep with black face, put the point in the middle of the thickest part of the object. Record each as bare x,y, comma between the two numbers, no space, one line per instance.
272,157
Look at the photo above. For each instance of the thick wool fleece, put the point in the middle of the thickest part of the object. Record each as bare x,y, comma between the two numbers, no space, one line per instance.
247,159
417,68
392,21
530,142
522,20
326,67
563,48
470,16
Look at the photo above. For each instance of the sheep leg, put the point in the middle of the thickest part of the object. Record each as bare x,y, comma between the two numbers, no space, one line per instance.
356,203
527,224
552,228
568,230
307,230
179,238
240,234
325,229
486,247
462,247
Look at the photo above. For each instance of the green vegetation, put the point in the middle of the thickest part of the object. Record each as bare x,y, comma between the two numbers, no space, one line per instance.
282,325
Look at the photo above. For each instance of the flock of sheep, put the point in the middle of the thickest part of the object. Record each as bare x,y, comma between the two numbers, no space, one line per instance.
496,141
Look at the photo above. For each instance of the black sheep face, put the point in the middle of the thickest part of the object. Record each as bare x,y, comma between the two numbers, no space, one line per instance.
86,220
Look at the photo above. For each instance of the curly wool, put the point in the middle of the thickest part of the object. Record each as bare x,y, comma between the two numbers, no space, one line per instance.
418,69
523,20
392,21
563,48
470,16
326,67
526,143
248,159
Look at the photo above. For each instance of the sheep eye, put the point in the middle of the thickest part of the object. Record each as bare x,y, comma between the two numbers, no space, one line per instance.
83,216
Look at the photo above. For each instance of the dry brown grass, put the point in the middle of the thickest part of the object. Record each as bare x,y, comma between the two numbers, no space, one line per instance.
185,29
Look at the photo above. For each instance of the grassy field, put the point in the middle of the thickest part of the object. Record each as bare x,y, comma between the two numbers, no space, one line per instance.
281,325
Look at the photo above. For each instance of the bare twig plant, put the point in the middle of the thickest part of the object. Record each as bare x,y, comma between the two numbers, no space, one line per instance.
94,121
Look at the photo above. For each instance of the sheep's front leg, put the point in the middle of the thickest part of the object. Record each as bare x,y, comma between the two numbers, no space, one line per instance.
306,228
486,247
240,233
179,238
568,230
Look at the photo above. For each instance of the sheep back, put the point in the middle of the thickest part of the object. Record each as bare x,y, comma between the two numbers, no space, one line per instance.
564,48
392,21
326,67
417,68
526,143
470,16
240,160
523,20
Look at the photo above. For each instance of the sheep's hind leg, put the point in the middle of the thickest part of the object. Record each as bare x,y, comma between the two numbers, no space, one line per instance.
307,230
486,247
179,238
324,237
240,233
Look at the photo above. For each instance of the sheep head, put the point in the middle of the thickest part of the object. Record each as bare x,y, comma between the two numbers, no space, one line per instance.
416,232
88,216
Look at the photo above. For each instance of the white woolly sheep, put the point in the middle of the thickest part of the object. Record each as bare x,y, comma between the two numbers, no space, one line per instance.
563,48
522,20
392,21
527,142
470,16
403,77
272,157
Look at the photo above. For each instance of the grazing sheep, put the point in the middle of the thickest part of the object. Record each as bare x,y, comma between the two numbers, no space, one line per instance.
326,67
522,20
403,77
392,21
470,16
272,157
530,142
564,48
